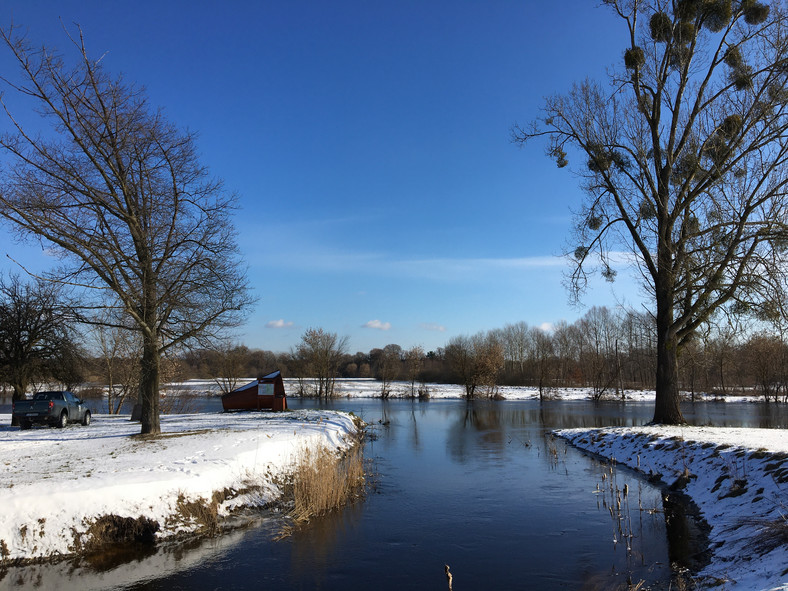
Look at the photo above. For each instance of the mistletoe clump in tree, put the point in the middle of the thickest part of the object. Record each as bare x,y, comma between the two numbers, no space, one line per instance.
683,156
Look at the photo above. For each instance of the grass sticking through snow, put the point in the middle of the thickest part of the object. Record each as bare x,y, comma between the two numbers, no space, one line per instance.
772,533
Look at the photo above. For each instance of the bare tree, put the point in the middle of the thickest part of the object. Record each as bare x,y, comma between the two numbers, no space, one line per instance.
119,353
298,368
489,361
637,331
691,366
232,359
766,358
477,361
721,352
37,339
261,363
565,347
544,358
460,357
516,342
120,193
685,164
600,330
414,361
388,366
319,354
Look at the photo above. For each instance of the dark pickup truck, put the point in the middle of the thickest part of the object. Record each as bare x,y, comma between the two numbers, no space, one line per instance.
56,409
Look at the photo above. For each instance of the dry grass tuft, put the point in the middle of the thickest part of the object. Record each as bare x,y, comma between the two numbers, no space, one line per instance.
772,534
323,481
201,512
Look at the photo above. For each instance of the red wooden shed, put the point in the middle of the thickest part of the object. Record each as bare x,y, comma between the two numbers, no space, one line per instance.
267,392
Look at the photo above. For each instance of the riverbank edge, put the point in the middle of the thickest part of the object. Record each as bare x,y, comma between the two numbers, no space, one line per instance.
192,516
738,489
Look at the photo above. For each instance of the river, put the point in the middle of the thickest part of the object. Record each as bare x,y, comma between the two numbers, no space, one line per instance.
480,486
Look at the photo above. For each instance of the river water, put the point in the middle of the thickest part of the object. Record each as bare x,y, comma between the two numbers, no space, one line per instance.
479,486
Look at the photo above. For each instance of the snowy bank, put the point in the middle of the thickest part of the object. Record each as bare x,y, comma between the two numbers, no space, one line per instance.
737,477
54,483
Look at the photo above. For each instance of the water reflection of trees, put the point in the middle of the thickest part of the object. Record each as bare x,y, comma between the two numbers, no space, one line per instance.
492,426
314,548
476,425
687,533
467,426
737,414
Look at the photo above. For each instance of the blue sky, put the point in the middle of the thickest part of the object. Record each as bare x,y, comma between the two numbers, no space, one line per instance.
369,145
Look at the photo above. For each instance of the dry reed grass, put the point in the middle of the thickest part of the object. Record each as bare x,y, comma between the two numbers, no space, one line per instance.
204,513
325,481
322,481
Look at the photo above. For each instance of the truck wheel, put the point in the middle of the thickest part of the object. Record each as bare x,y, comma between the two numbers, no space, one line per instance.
63,419
86,418
24,425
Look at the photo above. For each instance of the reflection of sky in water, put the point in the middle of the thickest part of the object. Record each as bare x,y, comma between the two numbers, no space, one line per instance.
481,487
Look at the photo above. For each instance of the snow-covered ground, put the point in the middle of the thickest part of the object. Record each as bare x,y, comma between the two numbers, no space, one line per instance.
738,479
55,482
370,388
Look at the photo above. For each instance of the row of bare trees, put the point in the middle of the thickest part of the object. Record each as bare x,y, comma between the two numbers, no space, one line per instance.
609,351
606,351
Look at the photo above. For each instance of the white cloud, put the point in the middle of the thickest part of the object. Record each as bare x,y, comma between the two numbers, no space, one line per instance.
278,324
546,327
377,324
433,326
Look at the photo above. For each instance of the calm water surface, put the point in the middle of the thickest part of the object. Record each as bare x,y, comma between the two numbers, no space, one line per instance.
479,486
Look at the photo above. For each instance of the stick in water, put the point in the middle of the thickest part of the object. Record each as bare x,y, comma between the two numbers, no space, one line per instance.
448,575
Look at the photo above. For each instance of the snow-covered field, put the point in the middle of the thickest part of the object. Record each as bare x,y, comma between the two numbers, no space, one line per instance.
738,478
370,388
55,482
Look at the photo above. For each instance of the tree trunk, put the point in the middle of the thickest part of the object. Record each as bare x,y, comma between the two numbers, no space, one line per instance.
667,410
19,394
149,386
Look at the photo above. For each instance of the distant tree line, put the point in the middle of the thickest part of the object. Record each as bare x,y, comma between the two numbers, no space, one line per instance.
607,351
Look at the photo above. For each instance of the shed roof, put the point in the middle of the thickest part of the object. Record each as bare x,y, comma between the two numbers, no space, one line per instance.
248,386
268,379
